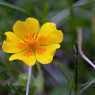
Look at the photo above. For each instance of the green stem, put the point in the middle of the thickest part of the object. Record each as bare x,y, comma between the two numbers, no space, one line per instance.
76,70
40,77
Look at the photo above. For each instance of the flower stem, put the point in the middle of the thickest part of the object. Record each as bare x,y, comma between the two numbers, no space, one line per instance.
76,69
28,80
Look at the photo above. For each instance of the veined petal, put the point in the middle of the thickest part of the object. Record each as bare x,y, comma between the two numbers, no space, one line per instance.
11,44
26,56
49,34
45,54
32,24
22,28
48,27
58,36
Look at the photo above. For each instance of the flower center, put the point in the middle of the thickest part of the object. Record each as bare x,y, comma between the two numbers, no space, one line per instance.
30,42
33,44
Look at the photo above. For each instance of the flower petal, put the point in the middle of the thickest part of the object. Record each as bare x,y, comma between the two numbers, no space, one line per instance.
21,28
32,24
45,53
49,34
26,56
11,44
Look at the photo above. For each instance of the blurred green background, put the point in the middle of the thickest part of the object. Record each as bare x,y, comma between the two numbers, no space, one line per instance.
69,72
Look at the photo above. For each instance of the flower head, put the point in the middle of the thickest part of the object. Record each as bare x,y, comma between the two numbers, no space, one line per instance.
30,43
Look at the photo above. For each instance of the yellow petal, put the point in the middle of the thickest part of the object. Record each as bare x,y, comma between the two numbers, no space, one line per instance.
11,44
45,53
21,28
26,56
49,34
32,24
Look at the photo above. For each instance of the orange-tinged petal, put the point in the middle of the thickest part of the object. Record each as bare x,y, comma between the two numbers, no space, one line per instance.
45,54
11,44
49,34
22,28
26,56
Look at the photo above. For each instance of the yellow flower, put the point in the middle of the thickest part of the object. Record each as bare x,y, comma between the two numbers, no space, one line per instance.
30,43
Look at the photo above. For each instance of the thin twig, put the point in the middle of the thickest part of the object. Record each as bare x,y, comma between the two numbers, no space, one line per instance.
79,42
87,86
28,80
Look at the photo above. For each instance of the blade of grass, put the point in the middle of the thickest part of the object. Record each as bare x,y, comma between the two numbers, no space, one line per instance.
14,7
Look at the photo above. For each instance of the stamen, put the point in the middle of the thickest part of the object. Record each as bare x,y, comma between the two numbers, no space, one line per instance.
30,43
